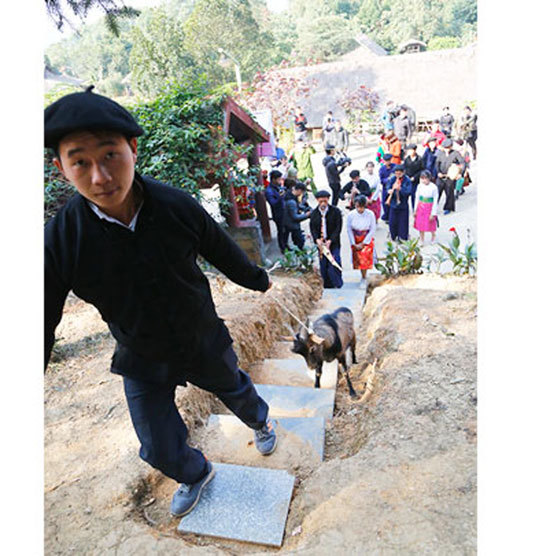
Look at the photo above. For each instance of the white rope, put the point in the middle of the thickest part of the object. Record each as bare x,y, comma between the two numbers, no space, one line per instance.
290,313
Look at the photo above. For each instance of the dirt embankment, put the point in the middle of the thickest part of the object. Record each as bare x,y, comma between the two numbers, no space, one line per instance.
96,487
400,475
400,470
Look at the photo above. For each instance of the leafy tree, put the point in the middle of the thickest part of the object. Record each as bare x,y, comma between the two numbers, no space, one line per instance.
158,54
229,25
114,11
441,43
325,38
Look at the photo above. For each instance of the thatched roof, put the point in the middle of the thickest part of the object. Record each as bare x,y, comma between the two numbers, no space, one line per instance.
411,42
426,81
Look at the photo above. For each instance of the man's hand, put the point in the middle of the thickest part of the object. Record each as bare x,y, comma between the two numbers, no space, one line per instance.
440,175
328,242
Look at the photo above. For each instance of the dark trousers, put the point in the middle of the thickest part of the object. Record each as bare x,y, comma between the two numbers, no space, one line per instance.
399,223
160,428
472,142
448,186
332,277
413,194
385,208
335,193
297,237
280,233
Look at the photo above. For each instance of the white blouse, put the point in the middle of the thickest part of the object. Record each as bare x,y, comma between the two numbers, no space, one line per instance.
429,191
374,183
361,222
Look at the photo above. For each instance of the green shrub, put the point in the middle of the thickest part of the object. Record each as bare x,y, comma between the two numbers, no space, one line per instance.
297,260
401,258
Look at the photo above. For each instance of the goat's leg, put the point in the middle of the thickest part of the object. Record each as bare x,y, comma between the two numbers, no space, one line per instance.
352,392
318,372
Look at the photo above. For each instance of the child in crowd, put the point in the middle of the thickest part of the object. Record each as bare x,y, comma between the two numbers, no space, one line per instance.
425,212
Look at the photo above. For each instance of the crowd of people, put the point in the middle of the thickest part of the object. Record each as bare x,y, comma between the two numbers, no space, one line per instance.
406,185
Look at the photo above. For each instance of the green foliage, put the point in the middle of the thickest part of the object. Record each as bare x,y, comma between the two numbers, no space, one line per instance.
463,261
324,38
401,258
298,260
441,43
229,25
57,190
158,54
58,91
184,143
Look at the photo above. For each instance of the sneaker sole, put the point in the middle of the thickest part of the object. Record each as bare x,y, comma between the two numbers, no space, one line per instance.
189,510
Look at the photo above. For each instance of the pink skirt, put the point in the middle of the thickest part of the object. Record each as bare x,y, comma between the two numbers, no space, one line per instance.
422,222
376,207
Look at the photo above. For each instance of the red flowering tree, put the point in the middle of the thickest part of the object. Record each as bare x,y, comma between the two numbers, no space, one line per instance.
278,91
360,107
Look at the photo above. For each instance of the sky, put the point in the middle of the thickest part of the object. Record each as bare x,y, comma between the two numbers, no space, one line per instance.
52,35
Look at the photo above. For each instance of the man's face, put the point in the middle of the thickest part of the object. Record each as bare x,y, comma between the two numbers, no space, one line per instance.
323,202
356,179
370,169
387,163
100,165
279,181
399,174
412,153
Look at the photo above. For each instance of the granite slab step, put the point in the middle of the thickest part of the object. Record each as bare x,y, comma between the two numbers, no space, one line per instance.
244,504
297,401
293,372
300,442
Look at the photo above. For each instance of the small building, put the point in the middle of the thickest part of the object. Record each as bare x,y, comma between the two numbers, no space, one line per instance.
411,46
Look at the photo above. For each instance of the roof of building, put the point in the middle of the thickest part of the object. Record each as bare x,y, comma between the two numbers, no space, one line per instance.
426,81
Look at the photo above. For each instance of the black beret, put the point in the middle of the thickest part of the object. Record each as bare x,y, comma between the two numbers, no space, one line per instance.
354,174
399,167
275,174
387,156
322,194
432,138
329,147
447,143
412,146
86,111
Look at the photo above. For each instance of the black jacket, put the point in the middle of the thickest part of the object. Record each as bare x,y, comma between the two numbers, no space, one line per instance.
413,168
443,161
294,212
146,284
361,185
334,225
331,169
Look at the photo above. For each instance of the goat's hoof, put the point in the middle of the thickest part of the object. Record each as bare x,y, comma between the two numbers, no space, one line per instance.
353,395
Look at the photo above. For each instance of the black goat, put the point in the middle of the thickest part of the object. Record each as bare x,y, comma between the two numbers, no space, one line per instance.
330,338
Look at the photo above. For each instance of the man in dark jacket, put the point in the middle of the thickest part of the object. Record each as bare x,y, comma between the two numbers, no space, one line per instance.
446,158
275,195
333,171
413,166
399,189
295,212
356,186
325,226
446,122
401,126
128,245
385,172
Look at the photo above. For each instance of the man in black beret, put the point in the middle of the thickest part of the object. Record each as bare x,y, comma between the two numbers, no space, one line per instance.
325,226
399,190
128,245
333,170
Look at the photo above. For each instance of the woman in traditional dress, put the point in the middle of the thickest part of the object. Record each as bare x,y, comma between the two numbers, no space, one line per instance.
374,202
425,211
361,225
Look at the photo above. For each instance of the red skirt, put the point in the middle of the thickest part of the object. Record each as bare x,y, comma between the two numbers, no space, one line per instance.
362,258
376,207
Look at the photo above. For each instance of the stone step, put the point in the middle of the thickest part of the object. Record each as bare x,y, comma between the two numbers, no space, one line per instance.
297,401
243,503
300,442
293,372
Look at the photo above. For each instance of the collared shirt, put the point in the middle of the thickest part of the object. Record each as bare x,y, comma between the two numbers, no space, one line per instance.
323,221
131,226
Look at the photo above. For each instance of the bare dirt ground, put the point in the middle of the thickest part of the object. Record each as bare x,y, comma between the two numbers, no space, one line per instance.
399,476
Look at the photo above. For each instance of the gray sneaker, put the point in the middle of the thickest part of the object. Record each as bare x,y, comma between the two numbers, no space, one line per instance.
265,438
188,496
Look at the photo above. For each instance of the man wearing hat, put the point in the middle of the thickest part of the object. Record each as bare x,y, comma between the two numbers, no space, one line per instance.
446,122
413,166
128,245
429,156
399,190
448,166
325,226
275,196
385,172
333,170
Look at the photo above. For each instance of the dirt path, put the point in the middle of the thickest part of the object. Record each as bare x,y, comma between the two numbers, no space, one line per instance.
400,468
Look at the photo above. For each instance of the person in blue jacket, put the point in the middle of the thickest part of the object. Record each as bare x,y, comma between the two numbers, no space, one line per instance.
275,196
385,172
429,157
399,190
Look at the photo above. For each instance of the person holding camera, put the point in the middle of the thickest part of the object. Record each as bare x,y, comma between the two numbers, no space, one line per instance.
333,169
